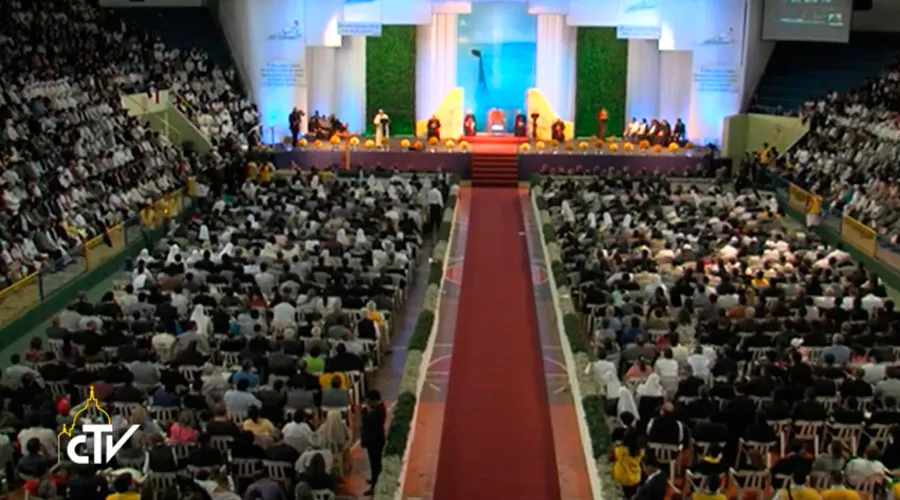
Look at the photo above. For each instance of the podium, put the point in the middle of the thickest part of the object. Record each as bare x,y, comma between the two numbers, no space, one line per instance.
496,121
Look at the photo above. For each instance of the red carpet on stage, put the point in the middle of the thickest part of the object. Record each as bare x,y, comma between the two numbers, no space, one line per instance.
494,139
497,441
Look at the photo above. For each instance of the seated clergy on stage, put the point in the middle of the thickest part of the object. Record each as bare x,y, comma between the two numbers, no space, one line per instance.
558,130
382,124
434,127
653,132
520,127
602,119
469,124
643,127
631,130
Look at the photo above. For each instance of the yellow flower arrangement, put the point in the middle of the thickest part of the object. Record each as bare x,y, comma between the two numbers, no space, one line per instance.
539,145
318,143
613,147
689,145
369,144
645,144
570,145
417,146
464,145
404,144
524,147
599,143
612,138
354,141
657,148
628,146
335,140
449,143
583,145
673,147
286,141
432,141
554,143
385,141
302,143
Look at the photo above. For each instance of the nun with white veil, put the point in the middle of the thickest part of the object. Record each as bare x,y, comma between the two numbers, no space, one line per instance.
361,241
650,388
334,435
627,404
145,257
567,213
201,320
203,234
342,238
174,251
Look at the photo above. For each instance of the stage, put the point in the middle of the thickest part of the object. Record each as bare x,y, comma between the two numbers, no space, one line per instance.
455,160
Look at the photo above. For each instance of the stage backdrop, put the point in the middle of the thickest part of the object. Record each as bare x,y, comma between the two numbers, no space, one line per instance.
600,80
391,78
496,58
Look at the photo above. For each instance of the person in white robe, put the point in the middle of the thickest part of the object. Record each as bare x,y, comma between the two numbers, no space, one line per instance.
382,124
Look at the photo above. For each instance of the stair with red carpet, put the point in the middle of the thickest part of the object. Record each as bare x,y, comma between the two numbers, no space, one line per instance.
494,169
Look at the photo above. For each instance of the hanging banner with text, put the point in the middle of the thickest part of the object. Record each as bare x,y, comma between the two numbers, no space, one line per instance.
361,18
638,20
278,38
859,236
717,69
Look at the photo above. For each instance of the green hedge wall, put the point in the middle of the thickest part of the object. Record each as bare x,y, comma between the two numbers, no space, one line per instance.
601,72
391,78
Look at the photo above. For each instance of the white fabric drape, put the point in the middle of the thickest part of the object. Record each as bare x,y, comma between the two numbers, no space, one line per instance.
322,77
436,55
555,60
675,84
337,81
642,83
351,87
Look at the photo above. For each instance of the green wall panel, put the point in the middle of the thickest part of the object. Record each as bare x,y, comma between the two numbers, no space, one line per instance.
600,80
391,78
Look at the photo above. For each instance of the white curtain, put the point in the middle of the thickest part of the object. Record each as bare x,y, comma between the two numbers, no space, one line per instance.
436,54
351,86
555,60
675,84
322,77
642,83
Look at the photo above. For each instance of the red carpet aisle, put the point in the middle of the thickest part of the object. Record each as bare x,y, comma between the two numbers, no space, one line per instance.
497,440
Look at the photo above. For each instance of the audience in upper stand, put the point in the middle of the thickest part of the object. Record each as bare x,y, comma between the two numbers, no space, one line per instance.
713,355
72,162
851,153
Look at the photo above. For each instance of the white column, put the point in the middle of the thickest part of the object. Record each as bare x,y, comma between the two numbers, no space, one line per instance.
436,55
351,85
675,85
322,80
555,60
642,83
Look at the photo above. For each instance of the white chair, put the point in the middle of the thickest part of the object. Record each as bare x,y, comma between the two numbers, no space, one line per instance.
245,468
322,495
165,415
809,431
746,481
222,443
847,435
279,471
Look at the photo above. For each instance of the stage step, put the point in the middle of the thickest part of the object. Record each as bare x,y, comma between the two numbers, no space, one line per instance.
494,170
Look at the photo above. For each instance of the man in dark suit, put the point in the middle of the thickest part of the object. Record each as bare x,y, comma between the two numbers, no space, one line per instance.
373,438
654,488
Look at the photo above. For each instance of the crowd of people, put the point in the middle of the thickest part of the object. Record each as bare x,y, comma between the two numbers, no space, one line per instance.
73,162
243,347
850,155
733,353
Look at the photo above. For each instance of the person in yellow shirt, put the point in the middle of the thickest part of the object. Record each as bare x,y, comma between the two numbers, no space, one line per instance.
627,459
798,489
837,490
373,314
760,280
252,171
123,485
265,175
709,491
260,427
